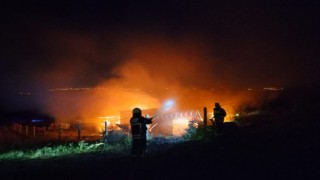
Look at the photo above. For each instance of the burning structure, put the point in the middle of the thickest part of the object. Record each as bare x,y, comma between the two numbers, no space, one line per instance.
181,71
171,123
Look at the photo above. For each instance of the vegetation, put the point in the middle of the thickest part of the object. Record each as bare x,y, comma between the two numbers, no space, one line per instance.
117,137
116,142
277,139
194,133
280,116
63,150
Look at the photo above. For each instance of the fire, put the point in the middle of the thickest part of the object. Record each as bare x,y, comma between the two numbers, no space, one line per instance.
149,71
180,125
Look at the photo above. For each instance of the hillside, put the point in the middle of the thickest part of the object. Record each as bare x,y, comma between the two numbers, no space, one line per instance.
282,146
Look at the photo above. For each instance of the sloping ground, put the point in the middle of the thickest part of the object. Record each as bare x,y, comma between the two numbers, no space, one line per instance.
248,154
282,145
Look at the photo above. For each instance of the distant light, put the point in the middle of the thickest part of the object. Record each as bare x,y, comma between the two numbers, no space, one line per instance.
237,114
37,120
272,89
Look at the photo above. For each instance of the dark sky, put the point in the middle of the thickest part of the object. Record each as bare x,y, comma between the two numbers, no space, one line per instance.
46,44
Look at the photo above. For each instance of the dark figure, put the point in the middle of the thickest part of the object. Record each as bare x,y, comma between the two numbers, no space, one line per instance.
218,114
138,131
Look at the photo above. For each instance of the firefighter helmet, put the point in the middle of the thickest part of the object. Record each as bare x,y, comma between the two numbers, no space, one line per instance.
136,111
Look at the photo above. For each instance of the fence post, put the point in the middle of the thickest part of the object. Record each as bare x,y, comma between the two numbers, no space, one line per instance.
27,130
205,120
79,132
34,131
59,132
106,128
20,128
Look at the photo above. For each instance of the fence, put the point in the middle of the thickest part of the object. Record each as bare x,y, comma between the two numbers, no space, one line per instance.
62,131
164,124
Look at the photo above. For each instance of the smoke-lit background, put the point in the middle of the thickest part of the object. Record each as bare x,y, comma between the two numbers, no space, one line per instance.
139,54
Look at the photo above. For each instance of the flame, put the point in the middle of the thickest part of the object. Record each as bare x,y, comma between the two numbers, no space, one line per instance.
154,69
180,125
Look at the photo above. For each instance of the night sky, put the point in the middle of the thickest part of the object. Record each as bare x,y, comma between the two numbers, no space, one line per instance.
47,45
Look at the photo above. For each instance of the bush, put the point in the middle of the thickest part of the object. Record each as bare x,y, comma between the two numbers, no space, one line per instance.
194,132
117,137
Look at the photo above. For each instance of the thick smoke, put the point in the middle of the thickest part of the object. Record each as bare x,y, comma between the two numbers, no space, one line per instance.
195,53
142,71
80,77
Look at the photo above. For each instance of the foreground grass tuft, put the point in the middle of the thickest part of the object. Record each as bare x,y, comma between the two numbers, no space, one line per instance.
62,150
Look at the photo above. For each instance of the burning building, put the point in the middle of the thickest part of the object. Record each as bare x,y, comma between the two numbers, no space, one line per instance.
172,123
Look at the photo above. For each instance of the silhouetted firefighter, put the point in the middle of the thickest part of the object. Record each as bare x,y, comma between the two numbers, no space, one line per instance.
138,129
218,114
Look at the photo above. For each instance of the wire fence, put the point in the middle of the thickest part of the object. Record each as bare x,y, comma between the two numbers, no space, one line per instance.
60,131
166,124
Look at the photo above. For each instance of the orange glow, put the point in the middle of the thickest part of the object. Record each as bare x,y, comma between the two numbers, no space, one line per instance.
179,126
155,69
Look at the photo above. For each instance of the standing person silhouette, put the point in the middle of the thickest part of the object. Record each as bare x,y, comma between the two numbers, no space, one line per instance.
138,130
218,114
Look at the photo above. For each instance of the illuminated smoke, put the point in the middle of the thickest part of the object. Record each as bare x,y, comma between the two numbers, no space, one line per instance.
143,71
